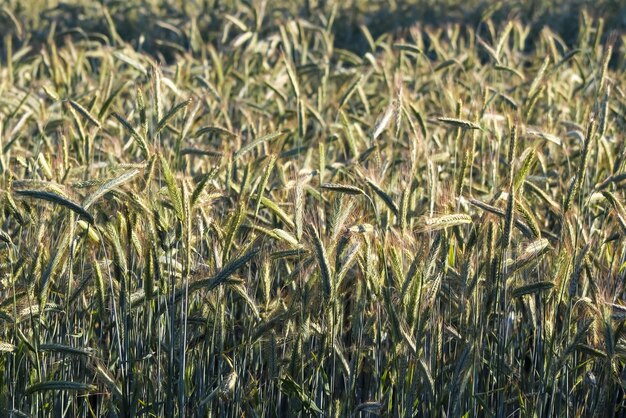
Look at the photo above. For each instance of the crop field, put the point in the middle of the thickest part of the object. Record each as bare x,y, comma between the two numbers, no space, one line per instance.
331,209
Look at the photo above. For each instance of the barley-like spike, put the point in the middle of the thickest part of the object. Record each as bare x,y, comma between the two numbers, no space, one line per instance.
66,349
126,59
233,227
22,219
322,161
46,186
508,221
60,385
441,222
538,78
572,192
604,114
606,57
545,136
531,288
214,130
85,113
362,229
511,71
5,237
552,204
263,185
104,375
424,370
529,218
133,133
201,152
109,101
404,208
172,188
383,122
109,185
252,144
581,335
204,180
434,290
348,261
119,254
293,78
342,188
299,210
383,196
169,115
407,48
59,200
297,253
82,135
532,101
149,173
584,158
620,211
301,116
322,260
462,172
577,182
512,155
245,182
578,270
347,128
273,207
86,184
459,123
504,36
143,117
490,51
459,130
210,283
618,311
155,75
350,90
527,164
6,347
531,253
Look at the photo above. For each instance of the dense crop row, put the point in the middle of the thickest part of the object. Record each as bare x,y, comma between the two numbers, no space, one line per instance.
248,220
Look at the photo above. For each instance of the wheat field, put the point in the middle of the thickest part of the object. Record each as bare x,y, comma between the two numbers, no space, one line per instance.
338,209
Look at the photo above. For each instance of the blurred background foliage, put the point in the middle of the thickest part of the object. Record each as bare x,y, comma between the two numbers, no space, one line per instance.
162,27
